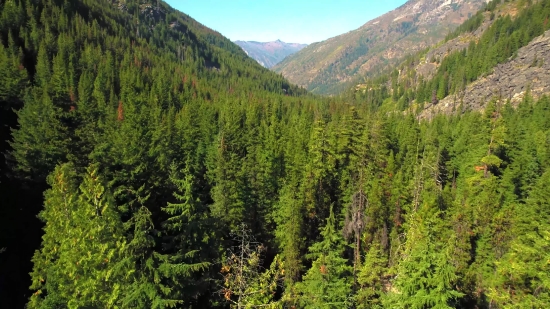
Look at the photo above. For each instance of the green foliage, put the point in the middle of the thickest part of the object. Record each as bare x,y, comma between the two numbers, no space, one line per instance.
158,137
327,284
245,283
524,271
13,76
424,276
41,141
371,278
289,234
79,263
496,44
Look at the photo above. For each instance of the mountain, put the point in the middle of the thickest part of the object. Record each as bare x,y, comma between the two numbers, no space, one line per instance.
499,54
523,75
269,54
327,67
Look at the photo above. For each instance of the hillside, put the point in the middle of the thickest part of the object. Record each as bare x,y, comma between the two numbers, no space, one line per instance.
268,54
329,66
499,53
524,74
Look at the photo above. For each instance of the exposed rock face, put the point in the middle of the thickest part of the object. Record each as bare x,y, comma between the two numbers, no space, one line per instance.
529,70
427,68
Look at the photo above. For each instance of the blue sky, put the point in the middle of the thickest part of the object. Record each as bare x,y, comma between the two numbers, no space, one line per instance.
292,21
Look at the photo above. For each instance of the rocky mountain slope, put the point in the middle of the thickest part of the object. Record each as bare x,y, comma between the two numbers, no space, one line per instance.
326,67
525,71
269,54
528,71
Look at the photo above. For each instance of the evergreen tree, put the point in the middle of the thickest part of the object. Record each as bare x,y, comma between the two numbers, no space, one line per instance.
371,279
424,277
41,141
328,283
174,137
524,270
190,237
79,262
246,284
13,77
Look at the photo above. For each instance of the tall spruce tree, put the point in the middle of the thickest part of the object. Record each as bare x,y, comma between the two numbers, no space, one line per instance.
424,277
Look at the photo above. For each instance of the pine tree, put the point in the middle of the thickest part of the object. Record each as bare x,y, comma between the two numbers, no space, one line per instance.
152,284
190,237
371,279
13,76
246,284
424,277
41,141
289,234
47,276
228,183
318,175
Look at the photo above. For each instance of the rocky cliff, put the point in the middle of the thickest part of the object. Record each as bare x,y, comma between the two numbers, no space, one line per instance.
528,71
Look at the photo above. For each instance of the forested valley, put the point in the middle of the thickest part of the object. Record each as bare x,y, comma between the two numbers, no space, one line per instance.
149,163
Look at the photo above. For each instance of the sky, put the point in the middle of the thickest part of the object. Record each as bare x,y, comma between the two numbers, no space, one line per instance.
291,21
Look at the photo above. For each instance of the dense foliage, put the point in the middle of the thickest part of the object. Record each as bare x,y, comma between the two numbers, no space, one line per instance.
181,174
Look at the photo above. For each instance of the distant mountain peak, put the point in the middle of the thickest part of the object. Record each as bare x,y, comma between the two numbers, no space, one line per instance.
269,54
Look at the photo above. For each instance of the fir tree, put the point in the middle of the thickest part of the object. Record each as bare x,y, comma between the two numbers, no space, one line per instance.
524,270
328,283
79,262
246,284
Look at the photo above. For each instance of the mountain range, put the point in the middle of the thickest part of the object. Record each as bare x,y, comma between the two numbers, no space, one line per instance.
269,54
329,66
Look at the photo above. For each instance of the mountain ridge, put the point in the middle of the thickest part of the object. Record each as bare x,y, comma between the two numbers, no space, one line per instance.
326,67
268,54
169,169
521,76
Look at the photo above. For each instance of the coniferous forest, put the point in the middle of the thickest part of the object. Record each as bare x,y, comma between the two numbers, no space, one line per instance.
149,163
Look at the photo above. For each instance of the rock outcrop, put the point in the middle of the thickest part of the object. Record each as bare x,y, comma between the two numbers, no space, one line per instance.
529,71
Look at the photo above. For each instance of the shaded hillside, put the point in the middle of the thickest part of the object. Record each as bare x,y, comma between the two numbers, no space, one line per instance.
326,67
270,53
71,69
